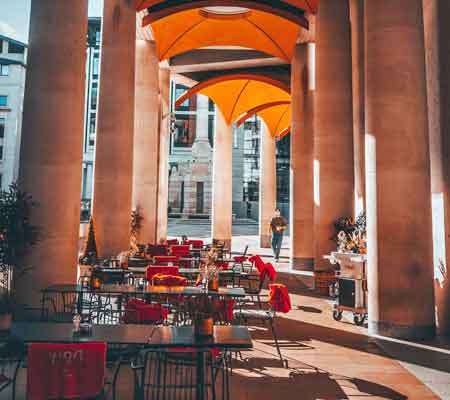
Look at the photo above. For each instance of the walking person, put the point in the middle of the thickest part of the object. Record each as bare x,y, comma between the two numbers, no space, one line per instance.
277,226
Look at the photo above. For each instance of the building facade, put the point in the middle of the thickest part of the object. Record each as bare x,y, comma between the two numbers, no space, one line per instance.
12,84
90,119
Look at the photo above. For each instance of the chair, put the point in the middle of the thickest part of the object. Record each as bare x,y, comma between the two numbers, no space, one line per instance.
11,354
173,375
152,270
279,301
66,371
180,251
168,280
164,260
158,250
172,242
242,258
137,311
196,244
266,272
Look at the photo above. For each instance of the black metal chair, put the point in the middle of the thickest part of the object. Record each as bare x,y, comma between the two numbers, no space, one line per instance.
172,375
11,356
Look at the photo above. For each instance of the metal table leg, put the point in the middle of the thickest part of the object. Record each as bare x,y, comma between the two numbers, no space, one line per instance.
200,378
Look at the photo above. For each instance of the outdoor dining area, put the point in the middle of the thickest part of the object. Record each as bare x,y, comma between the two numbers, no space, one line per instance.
176,315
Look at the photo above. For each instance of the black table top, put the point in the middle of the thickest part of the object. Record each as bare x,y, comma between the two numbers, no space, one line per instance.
151,336
150,290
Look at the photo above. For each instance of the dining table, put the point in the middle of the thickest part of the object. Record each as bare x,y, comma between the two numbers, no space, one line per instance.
63,295
149,337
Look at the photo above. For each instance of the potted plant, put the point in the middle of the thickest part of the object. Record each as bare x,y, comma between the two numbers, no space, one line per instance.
17,235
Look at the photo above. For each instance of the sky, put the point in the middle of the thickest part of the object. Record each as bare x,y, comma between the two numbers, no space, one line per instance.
15,16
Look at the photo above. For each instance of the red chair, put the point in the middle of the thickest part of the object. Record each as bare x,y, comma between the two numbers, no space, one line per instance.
139,312
172,242
152,270
164,260
196,244
279,301
180,251
242,258
66,371
258,262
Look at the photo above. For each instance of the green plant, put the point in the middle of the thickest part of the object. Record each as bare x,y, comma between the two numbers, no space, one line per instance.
17,233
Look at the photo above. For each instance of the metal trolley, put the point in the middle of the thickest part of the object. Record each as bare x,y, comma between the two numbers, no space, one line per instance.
350,289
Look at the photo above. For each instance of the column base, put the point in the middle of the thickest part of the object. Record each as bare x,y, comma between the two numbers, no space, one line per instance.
407,332
302,264
265,241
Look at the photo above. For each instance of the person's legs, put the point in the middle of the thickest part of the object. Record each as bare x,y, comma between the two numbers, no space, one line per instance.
274,244
277,247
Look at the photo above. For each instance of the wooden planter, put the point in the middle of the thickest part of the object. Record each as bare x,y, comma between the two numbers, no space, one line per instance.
323,280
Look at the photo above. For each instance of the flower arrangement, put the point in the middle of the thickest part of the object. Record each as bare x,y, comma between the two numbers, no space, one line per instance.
209,268
350,234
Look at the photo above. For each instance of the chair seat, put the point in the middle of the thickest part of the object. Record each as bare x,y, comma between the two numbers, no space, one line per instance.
253,314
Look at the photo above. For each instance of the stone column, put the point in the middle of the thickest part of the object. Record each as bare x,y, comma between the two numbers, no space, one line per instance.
113,173
52,142
201,161
163,162
400,260
357,24
267,185
437,48
222,181
333,125
302,156
146,132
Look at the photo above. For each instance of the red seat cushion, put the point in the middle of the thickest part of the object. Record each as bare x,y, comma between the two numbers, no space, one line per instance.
152,270
279,298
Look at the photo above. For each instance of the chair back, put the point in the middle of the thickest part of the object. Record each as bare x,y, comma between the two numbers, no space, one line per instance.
164,260
180,251
158,250
258,262
168,280
279,298
196,244
139,312
172,242
65,371
152,270
268,272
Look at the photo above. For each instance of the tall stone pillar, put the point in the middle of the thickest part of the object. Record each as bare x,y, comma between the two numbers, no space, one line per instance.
198,184
164,142
146,132
400,259
437,48
357,24
222,181
52,142
267,185
302,156
333,122
113,171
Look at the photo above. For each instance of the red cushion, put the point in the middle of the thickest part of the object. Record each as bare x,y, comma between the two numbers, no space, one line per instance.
240,259
168,280
268,270
137,312
279,298
167,259
258,262
65,370
152,270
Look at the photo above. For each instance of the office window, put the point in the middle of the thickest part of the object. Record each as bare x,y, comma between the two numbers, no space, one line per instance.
94,96
4,70
184,130
2,127
15,48
95,65
1,46
3,100
1,152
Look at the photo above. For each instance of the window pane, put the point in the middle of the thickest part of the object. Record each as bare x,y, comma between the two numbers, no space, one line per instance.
3,101
15,48
184,130
4,70
2,127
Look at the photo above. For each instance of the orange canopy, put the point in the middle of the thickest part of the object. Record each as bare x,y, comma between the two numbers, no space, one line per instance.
196,28
276,115
236,94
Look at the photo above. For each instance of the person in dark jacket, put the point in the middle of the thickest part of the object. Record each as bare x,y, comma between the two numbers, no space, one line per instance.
277,226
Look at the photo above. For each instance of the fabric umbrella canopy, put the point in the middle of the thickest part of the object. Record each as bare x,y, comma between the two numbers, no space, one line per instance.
236,94
276,115
197,28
